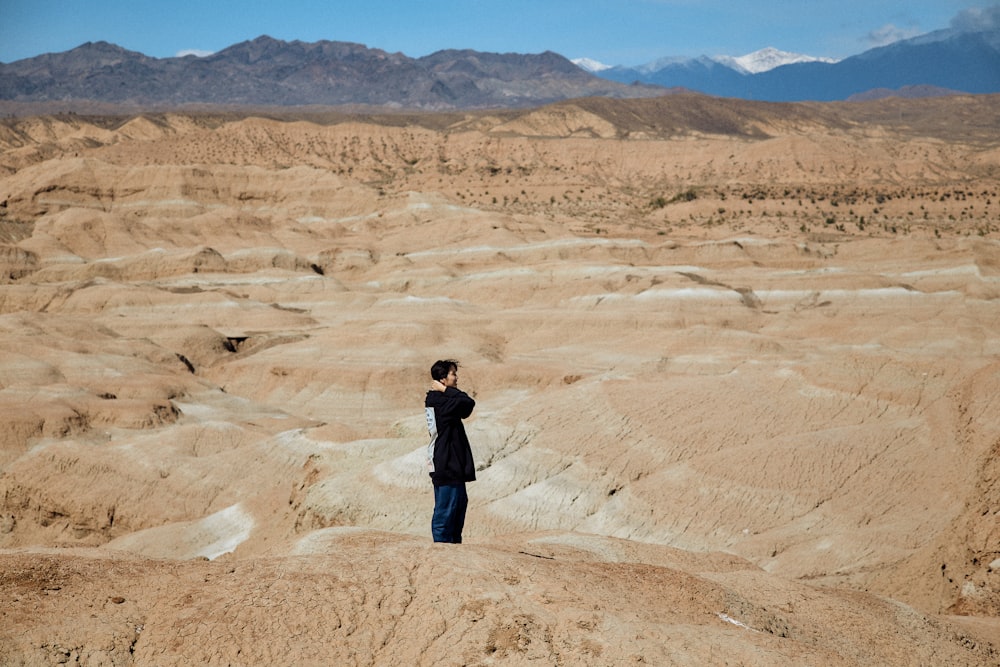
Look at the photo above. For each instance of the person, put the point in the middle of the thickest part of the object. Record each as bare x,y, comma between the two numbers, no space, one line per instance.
449,453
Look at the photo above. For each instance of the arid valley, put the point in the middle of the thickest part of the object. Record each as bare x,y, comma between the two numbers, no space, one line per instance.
736,365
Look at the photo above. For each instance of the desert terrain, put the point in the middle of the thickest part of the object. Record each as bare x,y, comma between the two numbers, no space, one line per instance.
737,372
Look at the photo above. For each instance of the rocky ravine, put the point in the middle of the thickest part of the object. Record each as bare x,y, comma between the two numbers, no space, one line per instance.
737,387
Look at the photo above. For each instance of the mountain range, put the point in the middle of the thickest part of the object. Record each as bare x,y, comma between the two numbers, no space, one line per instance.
751,63
271,72
267,71
952,60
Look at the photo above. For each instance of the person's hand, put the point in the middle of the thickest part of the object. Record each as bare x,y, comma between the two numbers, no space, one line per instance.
437,385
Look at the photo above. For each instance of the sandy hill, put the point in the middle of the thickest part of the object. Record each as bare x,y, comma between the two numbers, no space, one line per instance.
735,368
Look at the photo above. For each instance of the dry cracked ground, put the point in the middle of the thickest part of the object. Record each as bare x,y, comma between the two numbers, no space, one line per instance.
737,372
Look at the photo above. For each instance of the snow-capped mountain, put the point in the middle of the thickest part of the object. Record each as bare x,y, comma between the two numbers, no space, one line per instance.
673,61
766,59
752,63
963,59
590,65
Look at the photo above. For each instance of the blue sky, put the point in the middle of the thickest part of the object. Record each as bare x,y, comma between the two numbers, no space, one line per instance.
615,32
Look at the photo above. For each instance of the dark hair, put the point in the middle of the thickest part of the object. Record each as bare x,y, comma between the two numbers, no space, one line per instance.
442,367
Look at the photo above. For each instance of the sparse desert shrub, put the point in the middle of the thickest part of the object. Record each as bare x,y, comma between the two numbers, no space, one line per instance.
687,195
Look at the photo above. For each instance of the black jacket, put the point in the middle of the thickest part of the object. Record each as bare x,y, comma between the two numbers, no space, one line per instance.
453,462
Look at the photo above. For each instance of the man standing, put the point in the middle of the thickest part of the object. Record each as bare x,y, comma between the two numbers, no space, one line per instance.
449,454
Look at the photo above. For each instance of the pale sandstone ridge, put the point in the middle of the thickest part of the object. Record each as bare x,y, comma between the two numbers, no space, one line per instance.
358,597
736,368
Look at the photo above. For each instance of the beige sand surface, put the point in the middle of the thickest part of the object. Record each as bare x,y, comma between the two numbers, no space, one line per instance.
737,371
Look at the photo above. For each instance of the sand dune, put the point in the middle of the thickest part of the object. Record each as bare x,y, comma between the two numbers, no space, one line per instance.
736,371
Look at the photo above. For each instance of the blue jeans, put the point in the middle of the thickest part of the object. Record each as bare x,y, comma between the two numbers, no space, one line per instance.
450,502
